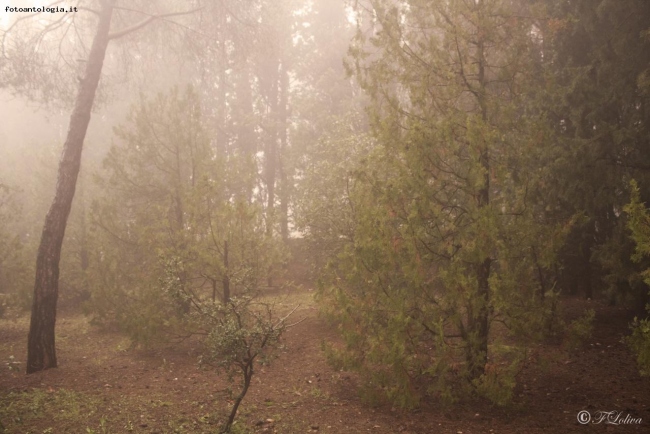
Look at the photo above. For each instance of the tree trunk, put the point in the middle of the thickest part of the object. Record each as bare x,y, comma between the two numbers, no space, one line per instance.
222,103
480,325
478,344
540,276
282,169
226,274
269,79
41,352
585,258
269,85
247,370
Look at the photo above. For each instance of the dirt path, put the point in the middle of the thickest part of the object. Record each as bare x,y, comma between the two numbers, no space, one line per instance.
103,387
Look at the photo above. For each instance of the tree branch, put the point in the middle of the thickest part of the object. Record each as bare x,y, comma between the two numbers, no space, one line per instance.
146,21
283,319
26,17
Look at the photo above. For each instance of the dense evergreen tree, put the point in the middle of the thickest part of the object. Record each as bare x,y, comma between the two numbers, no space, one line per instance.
170,197
14,269
445,238
597,54
639,226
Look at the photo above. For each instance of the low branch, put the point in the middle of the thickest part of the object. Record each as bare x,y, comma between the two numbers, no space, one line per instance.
92,11
283,319
288,326
120,33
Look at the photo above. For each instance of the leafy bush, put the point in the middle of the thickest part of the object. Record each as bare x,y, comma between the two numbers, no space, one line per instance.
639,342
438,252
580,329
166,195
240,333
15,261
639,226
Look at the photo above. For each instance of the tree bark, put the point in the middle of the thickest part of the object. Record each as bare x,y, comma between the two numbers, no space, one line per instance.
226,274
247,370
222,147
481,323
41,351
282,169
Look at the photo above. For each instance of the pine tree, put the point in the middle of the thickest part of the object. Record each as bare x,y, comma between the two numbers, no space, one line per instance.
596,54
171,198
445,233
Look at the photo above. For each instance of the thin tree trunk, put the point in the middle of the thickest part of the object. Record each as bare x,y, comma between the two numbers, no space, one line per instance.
270,172
222,136
248,375
214,289
226,274
84,255
478,345
585,258
540,276
271,150
282,169
41,351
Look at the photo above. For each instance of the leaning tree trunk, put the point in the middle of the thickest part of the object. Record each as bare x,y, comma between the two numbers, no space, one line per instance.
41,352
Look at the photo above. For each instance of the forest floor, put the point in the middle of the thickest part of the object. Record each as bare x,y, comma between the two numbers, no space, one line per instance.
102,386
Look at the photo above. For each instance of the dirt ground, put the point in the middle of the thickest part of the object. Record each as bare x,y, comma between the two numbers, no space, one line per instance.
102,386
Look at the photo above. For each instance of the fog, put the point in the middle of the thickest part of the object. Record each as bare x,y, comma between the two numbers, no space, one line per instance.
463,185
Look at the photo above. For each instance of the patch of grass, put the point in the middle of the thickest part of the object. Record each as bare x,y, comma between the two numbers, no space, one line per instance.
66,407
317,392
123,344
37,410
239,428
101,429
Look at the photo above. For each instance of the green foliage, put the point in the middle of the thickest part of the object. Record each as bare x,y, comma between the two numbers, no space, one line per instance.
69,408
443,238
580,330
239,333
15,268
639,226
498,382
639,342
602,136
166,195
324,211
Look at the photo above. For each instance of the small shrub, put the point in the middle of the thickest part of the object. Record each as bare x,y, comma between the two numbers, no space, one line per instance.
497,385
639,342
639,226
239,333
580,330
498,382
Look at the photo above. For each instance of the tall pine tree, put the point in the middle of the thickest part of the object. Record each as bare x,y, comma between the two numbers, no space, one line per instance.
445,235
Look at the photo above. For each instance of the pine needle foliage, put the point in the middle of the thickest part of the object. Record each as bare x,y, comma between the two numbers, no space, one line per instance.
639,226
168,194
437,291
